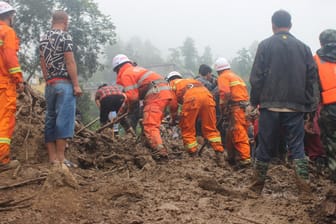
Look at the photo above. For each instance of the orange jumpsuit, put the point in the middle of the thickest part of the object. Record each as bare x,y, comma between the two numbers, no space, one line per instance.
233,91
10,76
196,101
141,84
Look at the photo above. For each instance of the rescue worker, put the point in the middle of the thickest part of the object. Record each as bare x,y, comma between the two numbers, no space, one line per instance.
326,61
110,98
11,81
196,102
233,102
142,84
210,82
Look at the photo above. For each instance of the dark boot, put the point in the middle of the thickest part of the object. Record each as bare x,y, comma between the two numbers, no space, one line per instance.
258,181
160,153
302,175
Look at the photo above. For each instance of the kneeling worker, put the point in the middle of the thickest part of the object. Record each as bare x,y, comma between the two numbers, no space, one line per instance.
197,102
109,99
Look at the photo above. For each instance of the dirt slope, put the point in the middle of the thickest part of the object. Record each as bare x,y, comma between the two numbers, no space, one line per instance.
118,182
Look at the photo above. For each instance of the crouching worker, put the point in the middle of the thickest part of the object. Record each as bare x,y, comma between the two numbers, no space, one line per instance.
197,102
109,99
142,84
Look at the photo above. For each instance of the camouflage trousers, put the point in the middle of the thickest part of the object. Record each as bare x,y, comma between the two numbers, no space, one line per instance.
327,125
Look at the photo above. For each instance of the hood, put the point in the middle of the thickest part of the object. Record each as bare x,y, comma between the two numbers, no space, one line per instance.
328,52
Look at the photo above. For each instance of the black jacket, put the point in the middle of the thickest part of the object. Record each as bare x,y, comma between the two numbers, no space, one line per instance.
284,75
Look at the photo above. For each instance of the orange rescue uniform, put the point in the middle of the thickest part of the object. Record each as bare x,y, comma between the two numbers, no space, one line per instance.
142,84
327,75
196,101
233,91
10,76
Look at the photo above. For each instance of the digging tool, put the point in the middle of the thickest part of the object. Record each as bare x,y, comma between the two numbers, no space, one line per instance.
111,123
88,125
200,151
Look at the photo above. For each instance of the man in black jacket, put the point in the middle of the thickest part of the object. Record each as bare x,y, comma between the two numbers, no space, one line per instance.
284,85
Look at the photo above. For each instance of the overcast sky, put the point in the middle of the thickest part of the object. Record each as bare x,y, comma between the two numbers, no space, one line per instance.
226,26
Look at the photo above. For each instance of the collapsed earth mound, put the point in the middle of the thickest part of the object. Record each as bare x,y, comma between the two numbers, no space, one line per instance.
117,181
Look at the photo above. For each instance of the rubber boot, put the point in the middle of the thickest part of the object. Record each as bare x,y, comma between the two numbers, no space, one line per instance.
302,175
220,160
13,164
258,180
160,153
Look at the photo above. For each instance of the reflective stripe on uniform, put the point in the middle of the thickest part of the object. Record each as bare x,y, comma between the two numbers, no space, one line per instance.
14,70
135,86
236,83
5,141
191,145
157,89
144,77
1,42
215,139
128,88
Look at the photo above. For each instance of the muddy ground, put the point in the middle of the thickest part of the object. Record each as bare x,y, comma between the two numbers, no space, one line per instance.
118,182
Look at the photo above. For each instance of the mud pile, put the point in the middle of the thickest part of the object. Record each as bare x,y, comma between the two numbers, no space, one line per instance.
118,182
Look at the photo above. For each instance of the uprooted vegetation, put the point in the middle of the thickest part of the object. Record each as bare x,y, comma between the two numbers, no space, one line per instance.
118,182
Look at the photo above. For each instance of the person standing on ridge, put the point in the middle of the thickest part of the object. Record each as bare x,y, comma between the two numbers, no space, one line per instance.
284,86
326,62
60,72
11,81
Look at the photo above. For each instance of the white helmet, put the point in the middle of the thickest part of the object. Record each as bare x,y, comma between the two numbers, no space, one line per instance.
221,64
118,60
5,7
172,74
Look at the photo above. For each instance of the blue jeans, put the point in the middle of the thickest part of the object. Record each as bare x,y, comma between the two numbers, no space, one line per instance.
61,108
270,123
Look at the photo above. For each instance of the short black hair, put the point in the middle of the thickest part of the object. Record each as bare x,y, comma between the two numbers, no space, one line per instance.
282,18
102,85
204,69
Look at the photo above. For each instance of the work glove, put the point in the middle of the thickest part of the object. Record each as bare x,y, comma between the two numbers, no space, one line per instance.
252,112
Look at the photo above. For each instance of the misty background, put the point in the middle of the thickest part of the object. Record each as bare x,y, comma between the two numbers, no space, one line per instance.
225,26
162,35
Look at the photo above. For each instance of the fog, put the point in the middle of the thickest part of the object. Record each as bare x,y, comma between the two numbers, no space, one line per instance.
225,26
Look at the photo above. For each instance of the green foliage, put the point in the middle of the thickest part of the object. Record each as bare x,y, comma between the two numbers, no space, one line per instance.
189,52
242,64
87,108
89,28
206,58
142,52
175,56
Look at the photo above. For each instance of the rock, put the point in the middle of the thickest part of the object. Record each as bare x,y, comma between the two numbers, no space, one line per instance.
204,202
169,207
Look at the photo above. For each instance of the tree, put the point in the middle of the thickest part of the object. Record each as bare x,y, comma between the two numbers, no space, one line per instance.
175,56
90,30
190,55
206,58
242,64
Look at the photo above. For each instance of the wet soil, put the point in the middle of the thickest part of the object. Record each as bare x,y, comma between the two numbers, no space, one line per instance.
117,181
